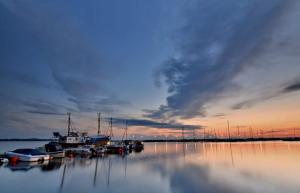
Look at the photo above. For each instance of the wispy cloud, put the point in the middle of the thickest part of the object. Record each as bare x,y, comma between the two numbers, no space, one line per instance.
154,124
292,87
213,47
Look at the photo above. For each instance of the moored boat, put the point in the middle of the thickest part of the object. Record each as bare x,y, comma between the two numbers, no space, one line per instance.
55,150
28,155
73,139
83,151
138,146
115,148
98,140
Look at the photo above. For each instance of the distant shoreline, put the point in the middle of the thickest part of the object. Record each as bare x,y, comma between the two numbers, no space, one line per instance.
185,140
226,140
30,139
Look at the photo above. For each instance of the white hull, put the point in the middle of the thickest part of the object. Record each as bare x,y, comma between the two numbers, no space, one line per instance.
57,154
27,158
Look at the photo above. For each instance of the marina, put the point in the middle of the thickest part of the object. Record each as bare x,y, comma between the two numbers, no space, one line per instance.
163,167
149,96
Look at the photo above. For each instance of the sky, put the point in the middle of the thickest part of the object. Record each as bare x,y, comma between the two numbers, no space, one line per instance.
160,65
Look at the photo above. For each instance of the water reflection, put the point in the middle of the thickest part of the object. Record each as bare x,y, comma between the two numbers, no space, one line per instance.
167,167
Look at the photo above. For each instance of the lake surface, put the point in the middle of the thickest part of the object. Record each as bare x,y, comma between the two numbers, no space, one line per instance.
260,167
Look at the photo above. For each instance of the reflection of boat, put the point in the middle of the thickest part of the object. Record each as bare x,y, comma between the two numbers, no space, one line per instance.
29,155
25,166
54,164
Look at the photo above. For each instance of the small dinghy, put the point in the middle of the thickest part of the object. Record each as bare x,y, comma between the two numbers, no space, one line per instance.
83,151
138,146
116,148
28,155
55,150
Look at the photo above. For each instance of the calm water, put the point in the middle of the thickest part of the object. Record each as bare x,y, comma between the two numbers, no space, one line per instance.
165,168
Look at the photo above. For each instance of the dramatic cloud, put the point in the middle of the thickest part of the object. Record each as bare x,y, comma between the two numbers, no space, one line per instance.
154,124
216,43
292,87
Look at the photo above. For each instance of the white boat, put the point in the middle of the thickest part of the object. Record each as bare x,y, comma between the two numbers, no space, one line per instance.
28,155
55,150
79,151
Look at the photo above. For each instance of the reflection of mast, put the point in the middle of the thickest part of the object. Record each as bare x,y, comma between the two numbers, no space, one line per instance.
62,179
108,175
96,171
232,162
125,166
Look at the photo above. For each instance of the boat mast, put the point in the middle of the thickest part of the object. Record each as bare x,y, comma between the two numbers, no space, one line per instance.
111,129
69,123
126,130
228,130
99,114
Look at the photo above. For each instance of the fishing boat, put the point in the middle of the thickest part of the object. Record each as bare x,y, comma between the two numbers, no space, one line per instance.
72,139
28,155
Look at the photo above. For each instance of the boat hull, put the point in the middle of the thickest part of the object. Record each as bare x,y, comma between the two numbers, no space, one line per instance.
60,154
27,158
71,145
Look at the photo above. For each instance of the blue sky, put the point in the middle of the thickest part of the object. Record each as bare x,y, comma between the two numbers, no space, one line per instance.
159,61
